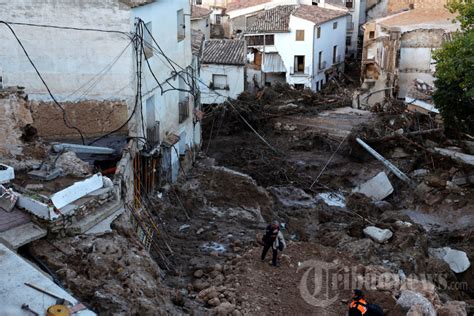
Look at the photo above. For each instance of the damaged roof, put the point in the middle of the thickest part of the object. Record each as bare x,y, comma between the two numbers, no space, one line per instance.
224,52
421,19
198,12
273,20
242,4
316,14
197,39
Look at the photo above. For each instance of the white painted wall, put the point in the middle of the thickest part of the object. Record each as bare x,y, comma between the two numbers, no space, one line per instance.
235,80
165,13
203,25
329,38
67,59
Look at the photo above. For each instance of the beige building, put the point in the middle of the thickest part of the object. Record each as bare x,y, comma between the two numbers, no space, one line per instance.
381,8
398,50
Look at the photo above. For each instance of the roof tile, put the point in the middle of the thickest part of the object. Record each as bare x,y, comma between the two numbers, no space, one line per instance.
224,52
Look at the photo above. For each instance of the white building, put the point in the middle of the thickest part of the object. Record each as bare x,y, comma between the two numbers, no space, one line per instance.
86,55
299,44
200,20
355,19
223,70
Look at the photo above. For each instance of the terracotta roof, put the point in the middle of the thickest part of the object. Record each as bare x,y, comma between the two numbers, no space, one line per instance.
224,52
316,14
199,12
273,20
420,18
197,38
242,4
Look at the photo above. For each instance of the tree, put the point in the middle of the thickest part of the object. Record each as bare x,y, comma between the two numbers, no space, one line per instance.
454,95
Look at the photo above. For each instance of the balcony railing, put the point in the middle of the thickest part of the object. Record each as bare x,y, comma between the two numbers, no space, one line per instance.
306,71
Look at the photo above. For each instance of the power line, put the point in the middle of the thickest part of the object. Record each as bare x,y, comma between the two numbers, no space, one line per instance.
65,119
71,28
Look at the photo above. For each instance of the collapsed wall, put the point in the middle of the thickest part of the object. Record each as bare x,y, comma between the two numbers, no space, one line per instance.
15,116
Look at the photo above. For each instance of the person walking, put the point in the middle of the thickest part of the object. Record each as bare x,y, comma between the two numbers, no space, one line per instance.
273,239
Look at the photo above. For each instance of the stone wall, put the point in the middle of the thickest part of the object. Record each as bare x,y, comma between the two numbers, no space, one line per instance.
93,118
14,116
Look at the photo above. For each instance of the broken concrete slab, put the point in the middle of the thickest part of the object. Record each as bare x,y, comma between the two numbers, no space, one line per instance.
456,156
7,173
100,214
15,272
457,260
45,175
104,226
77,190
377,234
37,205
377,188
333,199
23,234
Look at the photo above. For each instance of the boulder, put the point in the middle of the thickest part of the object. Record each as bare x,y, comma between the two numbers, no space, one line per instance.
457,260
409,299
377,234
453,308
214,302
198,274
225,309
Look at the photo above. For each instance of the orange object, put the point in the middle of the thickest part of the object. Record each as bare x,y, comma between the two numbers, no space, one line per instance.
58,310
360,304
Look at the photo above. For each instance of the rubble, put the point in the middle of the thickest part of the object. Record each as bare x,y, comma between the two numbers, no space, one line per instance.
377,234
377,188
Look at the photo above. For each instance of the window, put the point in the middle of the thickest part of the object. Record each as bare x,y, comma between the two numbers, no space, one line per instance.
148,41
299,86
371,34
181,25
299,64
319,32
219,82
152,125
349,4
348,41
218,19
334,55
321,83
183,110
198,1
317,86
300,35
320,60
260,40
334,25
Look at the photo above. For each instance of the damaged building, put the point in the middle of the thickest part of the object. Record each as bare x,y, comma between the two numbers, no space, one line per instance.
398,51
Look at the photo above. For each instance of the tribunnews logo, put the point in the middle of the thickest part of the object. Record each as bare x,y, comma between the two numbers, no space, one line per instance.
322,282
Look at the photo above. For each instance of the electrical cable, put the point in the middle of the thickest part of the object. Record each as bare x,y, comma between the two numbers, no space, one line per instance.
66,122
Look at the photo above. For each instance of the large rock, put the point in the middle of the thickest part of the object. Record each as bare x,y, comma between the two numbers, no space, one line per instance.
453,308
377,234
457,260
409,299
225,309
377,188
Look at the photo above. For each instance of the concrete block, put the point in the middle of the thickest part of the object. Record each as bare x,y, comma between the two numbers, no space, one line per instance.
91,220
377,188
408,299
36,207
104,226
377,234
8,199
7,173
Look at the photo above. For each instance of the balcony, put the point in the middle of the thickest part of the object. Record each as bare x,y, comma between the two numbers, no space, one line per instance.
306,71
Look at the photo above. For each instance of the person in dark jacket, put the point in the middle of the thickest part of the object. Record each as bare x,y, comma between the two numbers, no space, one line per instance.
360,307
273,239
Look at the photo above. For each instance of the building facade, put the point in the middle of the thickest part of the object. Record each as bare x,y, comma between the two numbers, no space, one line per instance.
398,51
301,45
223,70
